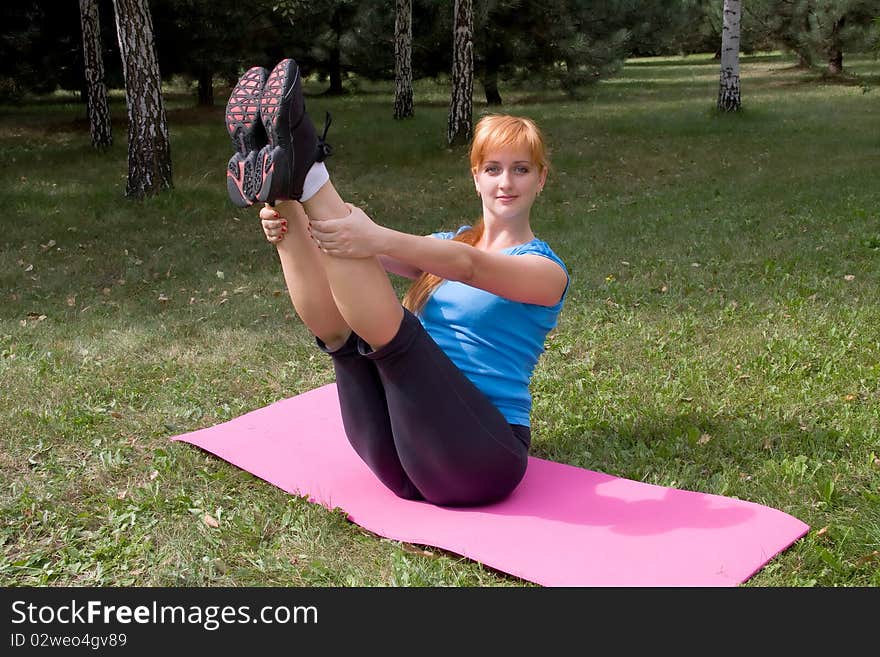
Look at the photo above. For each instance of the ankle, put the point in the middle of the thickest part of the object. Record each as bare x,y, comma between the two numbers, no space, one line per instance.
326,204
316,178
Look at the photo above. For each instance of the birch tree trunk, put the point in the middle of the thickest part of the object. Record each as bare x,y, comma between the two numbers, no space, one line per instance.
729,99
403,91
462,102
149,148
96,90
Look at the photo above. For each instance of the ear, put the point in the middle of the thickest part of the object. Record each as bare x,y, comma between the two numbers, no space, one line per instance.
543,178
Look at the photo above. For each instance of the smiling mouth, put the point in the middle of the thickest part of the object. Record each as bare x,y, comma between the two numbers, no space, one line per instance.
505,198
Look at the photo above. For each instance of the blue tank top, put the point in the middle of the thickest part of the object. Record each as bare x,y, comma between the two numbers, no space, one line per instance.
494,341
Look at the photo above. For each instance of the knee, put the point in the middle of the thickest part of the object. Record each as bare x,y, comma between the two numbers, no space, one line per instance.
335,341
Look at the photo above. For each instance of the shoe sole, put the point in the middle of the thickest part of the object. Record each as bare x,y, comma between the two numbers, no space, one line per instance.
243,179
276,158
245,127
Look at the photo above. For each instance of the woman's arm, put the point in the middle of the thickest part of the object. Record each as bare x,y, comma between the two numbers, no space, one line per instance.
525,278
395,266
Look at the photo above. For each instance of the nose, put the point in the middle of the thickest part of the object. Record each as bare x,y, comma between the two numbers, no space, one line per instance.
505,180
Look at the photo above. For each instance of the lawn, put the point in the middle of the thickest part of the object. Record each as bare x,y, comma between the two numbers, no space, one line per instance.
720,334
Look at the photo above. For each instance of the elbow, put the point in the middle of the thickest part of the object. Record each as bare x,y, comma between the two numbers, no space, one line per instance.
469,265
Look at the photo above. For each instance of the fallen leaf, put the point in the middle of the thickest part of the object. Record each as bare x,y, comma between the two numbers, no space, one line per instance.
210,521
220,275
71,301
850,397
849,277
121,494
412,549
873,556
163,298
705,438
29,268
154,474
822,531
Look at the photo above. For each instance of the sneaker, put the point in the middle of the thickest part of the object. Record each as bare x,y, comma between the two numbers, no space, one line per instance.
293,146
245,127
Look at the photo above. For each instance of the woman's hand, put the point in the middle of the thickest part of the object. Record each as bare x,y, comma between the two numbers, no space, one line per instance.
354,236
274,225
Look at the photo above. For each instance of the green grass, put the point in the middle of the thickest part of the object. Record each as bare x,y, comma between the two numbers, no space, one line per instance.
720,334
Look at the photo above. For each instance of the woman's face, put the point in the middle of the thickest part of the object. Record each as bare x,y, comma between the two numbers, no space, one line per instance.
508,181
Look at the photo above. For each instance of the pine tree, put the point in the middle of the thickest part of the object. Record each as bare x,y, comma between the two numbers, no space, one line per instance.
818,31
149,148
96,91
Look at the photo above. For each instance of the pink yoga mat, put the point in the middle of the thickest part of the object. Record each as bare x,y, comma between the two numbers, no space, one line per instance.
562,526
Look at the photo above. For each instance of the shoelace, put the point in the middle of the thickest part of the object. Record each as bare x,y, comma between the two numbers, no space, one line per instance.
324,149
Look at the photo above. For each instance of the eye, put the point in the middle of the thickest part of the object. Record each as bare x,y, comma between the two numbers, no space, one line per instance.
491,168
522,170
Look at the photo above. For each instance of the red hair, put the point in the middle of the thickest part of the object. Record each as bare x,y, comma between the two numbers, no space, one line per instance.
492,133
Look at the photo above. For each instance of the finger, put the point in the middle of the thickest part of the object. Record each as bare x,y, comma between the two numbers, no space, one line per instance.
274,224
268,212
322,235
326,225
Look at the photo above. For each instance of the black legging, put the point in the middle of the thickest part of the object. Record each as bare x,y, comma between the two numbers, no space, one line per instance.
421,426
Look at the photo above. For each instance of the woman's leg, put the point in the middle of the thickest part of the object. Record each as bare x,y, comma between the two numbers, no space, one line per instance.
360,286
362,400
453,443
306,278
444,441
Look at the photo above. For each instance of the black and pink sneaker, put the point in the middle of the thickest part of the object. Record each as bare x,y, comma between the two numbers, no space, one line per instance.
293,146
245,127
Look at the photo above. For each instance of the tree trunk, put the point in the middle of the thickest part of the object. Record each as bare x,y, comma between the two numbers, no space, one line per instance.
336,57
403,91
462,102
149,149
835,50
206,88
835,61
729,99
490,86
490,82
96,90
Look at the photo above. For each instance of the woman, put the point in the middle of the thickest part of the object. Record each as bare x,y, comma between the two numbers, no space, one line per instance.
434,392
